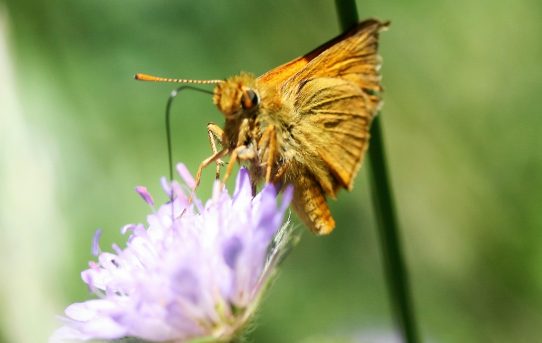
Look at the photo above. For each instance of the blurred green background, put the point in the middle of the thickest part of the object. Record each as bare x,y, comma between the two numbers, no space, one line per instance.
463,132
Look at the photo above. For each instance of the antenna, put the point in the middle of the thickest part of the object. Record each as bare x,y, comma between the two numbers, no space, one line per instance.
172,96
146,77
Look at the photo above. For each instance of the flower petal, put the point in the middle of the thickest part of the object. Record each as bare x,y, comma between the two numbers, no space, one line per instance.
96,242
144,193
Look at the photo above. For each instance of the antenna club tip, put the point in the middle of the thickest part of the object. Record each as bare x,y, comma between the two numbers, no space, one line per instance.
142,77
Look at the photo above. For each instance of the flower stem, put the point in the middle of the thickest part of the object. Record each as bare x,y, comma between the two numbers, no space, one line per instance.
394,263
390,241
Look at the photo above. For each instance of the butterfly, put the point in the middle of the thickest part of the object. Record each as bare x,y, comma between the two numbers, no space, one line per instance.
305,123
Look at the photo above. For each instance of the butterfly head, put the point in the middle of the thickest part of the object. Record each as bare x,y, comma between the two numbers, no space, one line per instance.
237,96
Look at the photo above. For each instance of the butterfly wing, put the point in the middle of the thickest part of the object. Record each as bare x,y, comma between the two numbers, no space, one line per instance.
333,99
335,116
278,75
336,95
352,56
328,98
332,127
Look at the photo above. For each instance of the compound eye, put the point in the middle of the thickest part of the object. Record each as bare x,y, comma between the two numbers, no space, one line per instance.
250,99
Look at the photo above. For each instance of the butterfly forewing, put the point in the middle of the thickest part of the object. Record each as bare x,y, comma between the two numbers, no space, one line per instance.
354,58
350,40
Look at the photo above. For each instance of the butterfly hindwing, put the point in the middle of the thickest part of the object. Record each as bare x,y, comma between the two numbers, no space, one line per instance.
338,114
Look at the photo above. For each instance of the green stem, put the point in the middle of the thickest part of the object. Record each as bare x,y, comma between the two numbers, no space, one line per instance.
396,272
394,263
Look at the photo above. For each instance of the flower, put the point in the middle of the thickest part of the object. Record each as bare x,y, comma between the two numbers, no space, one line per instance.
199,276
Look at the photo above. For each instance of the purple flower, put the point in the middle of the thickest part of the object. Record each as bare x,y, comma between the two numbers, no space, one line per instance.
199,276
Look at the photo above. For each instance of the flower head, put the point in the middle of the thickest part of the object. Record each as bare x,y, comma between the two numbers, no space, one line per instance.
195,271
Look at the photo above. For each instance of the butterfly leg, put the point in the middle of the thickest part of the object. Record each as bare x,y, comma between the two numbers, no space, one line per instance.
241,151
268,143
214,157
215,132
280,172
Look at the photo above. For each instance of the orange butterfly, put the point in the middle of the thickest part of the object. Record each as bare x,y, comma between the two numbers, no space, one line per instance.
304,123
